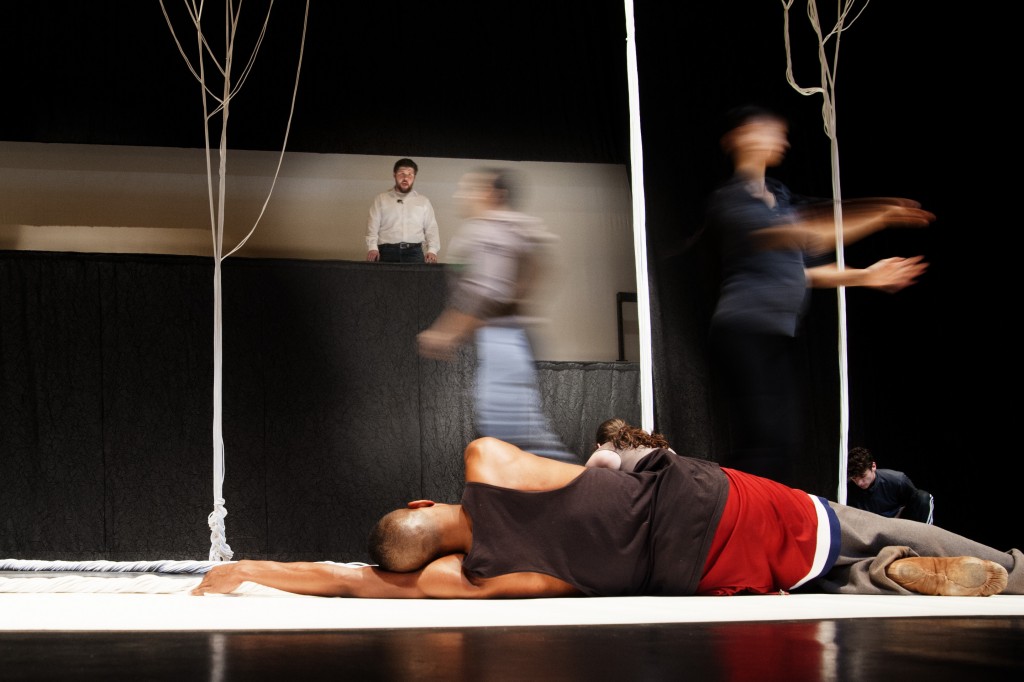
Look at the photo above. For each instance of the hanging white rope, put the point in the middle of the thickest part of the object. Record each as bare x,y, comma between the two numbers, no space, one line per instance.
219,548
828,112
92,584
134,577
104,566
639,228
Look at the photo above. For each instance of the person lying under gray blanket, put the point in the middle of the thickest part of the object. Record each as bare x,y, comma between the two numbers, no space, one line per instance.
530,526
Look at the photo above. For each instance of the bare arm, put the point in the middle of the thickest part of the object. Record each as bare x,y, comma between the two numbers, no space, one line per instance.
444,579
814,231
889,275
316,579
493,461
441,579
863,217
446,334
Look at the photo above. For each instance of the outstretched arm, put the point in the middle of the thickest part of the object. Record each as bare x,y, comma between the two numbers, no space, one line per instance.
814,229
889,275
863,217
450,330
441,579
315,579
444,579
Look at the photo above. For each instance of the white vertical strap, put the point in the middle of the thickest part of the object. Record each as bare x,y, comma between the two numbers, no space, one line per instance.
639,229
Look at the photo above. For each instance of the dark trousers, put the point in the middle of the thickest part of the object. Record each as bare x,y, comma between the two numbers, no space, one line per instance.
759,374
401,253
920,508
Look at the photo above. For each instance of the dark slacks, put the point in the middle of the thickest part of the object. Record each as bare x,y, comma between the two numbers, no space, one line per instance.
401,253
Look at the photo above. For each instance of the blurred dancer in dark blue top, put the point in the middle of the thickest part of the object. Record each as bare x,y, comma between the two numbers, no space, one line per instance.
774,245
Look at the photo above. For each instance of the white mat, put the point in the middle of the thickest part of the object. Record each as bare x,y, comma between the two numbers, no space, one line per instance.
272,610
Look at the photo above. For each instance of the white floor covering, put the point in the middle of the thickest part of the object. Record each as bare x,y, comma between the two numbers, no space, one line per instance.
264,609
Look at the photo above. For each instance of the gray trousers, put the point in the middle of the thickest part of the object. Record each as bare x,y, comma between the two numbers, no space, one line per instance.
507,394
870,542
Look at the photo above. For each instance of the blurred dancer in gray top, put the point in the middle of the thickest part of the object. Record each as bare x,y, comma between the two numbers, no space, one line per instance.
496,260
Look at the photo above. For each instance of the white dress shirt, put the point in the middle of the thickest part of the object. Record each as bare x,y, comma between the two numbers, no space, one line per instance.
396,217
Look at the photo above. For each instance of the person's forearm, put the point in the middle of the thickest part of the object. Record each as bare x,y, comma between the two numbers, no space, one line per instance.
464,325
889,274
863,217
856,228
830,276
315,579
450,330
455,325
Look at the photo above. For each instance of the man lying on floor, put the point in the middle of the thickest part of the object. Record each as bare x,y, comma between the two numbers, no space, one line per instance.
530,526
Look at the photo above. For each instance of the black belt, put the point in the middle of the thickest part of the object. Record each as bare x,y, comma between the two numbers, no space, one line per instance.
402,245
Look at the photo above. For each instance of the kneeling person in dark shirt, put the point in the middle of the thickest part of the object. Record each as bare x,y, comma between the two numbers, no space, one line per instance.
885,491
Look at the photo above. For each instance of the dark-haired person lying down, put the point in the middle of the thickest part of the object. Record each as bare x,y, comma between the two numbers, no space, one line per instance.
531,526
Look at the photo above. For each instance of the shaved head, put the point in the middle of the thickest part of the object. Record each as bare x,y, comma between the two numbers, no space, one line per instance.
405,540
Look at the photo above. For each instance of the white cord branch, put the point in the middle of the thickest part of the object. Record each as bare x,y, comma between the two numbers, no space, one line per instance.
827,75
219,548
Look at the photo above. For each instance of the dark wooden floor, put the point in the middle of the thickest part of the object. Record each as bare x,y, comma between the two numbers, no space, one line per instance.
934,649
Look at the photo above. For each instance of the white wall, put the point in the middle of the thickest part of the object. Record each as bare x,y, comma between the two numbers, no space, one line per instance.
110,199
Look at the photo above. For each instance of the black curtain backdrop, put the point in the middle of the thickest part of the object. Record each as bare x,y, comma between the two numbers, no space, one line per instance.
331,418
537,81
924,363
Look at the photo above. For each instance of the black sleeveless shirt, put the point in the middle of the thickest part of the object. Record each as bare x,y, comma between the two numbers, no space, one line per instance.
608,532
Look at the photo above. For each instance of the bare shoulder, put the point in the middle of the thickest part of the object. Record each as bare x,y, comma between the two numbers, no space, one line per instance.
526,586
495,462
443,578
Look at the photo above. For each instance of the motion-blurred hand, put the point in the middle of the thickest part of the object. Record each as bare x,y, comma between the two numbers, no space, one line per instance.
894,274
436,345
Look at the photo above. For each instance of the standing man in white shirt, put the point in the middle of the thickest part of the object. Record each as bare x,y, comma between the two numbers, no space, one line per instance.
402,227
